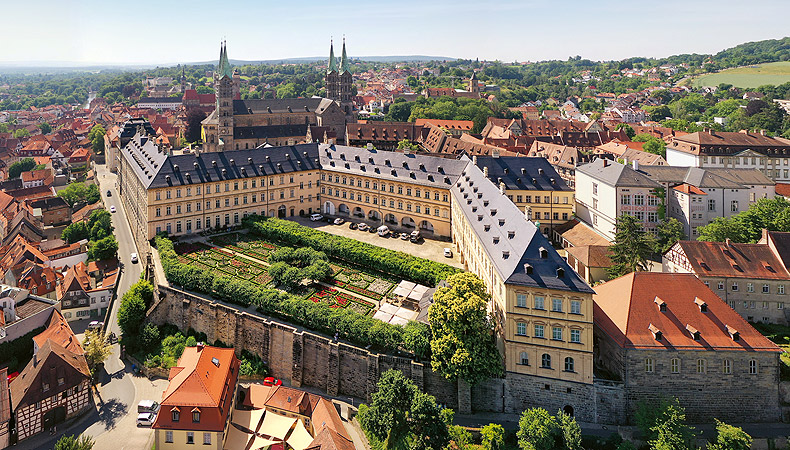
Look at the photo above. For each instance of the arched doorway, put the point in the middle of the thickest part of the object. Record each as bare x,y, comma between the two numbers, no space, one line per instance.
271,213
329,208
281,211
374,216
359,213
293,211
426,227
343,209
568,409
390,219
301,212
408,222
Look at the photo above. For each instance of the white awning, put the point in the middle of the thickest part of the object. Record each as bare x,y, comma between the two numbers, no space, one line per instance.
250,419
259,443
300,438
236,439
275,425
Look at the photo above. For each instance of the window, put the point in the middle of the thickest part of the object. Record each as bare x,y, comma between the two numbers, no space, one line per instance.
752,366
749,287
524,359
766,289
675,363
652,200
780,289
576,336
556,304
734,286
158,195
539,302
728,366
195,416
169,436
569,364
176,415
206,438
711,205
538,331
556,333
521,328
639,199
701,366
190,437
649,365
521,300
576,307
625,199
734,206
595,189
780,305
545,361
720,286
158,212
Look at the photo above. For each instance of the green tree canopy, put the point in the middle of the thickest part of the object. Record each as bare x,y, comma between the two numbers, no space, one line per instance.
669,232
23,165
402,417
45,128
539,430
463,345
82,442
729,437
746,226
78,192
97,348
21,133
629,130
106,248
131,312
96,135
493,437
76,231
631,248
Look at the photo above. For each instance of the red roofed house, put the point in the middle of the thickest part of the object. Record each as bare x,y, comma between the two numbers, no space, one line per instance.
83,297
667,334
80,158
752,278
196,405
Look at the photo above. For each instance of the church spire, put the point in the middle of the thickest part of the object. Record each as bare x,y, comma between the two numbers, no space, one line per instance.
332,60
224,69
344,59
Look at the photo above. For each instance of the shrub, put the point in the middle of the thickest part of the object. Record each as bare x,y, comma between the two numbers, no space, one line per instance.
400,264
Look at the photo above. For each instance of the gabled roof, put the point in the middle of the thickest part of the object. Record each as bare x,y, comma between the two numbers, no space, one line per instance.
281,105
627,310
522,173
52,362
59,331
733,260
616,174
592,255
711,178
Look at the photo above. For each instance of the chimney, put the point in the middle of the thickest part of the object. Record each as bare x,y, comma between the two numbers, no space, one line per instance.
474,159
636,165
199,346
485,171
495,153
727,242
502,188
605,162
762,132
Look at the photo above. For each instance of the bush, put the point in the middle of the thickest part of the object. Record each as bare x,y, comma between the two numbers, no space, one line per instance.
357,328
400,264
20,350
252,365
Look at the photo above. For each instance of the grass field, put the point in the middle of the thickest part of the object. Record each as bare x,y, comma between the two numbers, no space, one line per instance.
748,77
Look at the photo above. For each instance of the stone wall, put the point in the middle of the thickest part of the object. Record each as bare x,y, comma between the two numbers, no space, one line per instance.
299,357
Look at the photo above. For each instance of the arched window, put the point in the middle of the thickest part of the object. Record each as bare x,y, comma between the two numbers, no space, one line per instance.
569,364
524,359
545,361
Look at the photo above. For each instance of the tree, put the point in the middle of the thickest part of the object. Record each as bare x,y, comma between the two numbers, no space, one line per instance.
663,424
3,128
631,248
45,128
97,348
772,214
655,146
493,436
83,442
400,416
417,338
463,345
149,337
730,437
399,111
73,193
195,117
96,135
537,430
21,133
317,271
106,248
134,303
629,131
100,224
570,431
23,165
669,232
75,232
405,144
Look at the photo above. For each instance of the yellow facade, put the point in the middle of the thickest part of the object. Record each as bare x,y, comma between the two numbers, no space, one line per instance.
549,208
180,439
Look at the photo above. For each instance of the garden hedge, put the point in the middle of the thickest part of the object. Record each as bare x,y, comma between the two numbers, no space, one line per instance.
357,328
419,270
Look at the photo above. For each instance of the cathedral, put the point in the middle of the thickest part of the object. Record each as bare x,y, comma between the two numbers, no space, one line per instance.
237,124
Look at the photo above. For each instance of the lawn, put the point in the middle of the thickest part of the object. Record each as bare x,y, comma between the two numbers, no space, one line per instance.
748,77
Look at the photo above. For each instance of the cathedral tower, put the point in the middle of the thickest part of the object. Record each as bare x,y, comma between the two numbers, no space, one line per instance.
345,84
223,81
332,76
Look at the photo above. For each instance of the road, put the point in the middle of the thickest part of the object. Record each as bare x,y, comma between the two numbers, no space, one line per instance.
113,423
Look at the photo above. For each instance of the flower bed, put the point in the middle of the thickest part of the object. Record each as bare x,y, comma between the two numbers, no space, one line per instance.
362,283
337,299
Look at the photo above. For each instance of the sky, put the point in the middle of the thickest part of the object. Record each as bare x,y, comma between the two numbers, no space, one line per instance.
175,31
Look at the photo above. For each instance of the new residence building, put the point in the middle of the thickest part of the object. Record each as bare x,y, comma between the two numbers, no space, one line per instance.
667,334
752,278
541,308
606,190
533,185
742,150
196,405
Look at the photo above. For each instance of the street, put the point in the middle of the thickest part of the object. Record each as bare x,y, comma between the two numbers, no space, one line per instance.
112,424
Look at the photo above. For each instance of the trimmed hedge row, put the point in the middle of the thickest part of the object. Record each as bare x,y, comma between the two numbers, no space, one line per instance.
357,328
420,270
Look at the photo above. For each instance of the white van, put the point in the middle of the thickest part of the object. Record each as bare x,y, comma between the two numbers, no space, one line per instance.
147,406
383,231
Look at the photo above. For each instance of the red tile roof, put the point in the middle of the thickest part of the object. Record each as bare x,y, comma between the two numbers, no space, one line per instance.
627,309
59,331
734,260
689,189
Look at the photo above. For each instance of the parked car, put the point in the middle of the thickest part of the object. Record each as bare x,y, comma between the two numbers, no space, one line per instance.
340,221
383,231
95,325
415,234
146,406
416,240
352,226
448,253
271,381
112,208
362,227
134,258
371,229
109,194
316,217
404,236
146,419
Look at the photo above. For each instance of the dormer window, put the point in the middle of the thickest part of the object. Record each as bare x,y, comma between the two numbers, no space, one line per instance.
662,305
528,269
735,335
496,240
175,414
543,253
511,234
560,272
196,415
703,307
657,334
505,254
45,387
695,334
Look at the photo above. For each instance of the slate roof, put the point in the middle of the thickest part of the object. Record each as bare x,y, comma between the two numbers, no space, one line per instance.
522,173
391,166
269,131
733,139
627,308
615,174
159,100
513,243
281,105
711,178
